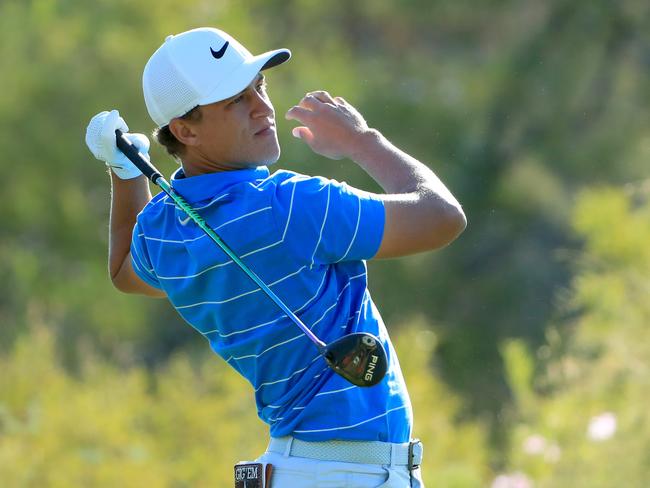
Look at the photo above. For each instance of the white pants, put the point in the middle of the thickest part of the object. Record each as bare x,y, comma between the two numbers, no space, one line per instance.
298,472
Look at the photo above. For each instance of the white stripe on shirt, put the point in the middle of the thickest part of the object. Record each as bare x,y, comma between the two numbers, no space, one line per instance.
173,241
215,200
300,335
356,229
243,255
322,393
212,202
271,321
237,358
219,302
134,262
140,263
335,391
320,235
268,383
336,301
353,425
293,192
357,314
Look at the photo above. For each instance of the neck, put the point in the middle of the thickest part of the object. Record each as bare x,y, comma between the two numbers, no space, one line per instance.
195,166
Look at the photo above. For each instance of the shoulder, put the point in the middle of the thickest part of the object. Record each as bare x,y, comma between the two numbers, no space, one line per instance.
155,204
284,177
156,209
291,182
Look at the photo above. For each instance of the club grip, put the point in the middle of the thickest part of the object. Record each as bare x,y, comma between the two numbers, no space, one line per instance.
131,152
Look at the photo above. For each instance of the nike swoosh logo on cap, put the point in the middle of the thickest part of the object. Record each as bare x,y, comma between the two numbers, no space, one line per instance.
219,54
184,221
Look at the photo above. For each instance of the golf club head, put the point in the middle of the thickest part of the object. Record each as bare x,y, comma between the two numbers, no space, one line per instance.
359,358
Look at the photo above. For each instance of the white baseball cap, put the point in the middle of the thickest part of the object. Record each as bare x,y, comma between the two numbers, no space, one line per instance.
199,67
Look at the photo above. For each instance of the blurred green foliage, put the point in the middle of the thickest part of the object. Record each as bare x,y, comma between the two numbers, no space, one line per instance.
583,419
533,320
183,425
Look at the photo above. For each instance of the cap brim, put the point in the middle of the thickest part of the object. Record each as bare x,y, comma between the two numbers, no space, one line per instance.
277,57
241,77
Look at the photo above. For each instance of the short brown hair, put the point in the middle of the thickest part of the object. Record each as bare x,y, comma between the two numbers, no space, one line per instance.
164,136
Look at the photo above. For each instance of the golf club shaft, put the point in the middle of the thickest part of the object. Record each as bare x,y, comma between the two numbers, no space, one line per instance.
149,170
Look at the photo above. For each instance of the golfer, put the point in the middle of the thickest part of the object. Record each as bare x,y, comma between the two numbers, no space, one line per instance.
307,237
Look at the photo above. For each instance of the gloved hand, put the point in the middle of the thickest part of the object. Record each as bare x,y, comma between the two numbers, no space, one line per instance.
100,139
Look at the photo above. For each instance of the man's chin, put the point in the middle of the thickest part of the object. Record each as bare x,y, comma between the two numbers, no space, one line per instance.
270,163
270,160
257,164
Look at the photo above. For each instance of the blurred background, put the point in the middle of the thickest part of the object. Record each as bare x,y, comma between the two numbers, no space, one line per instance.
525,343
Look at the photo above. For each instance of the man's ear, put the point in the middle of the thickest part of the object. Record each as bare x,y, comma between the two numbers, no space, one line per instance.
183,131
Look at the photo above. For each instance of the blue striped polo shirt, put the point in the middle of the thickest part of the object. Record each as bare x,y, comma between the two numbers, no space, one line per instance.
307,238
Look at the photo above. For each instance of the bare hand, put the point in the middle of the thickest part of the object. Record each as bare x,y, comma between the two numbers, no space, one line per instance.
331,126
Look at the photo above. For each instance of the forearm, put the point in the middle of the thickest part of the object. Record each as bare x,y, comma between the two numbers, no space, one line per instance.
128,198
397,172
421,213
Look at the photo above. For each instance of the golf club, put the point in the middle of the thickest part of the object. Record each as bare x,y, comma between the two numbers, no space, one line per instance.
359,357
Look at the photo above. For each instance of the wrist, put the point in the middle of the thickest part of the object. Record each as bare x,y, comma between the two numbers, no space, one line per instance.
367,144
124,169
132,184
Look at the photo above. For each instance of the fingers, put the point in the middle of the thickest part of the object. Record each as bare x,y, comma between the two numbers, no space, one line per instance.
320,114
140,141
323,96
301,114
316,100
111,121
114,121
99,116
310,103
96,138
303,133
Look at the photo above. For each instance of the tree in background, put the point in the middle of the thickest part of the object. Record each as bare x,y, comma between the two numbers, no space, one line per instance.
584,422
517,104
184,424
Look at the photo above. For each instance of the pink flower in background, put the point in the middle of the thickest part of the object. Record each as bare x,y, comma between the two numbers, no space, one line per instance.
534,444
513,480
602,427
538,445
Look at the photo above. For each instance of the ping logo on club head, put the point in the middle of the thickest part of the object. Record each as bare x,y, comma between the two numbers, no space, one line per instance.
370,371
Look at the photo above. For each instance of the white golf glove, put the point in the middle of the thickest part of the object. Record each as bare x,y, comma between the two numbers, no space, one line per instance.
100,139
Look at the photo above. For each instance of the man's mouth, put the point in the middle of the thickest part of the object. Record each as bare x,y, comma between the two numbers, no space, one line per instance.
266,130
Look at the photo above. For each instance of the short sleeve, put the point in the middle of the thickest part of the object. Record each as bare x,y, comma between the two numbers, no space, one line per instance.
140,258
324,221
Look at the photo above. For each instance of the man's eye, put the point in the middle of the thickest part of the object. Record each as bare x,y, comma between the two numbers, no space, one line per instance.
237,99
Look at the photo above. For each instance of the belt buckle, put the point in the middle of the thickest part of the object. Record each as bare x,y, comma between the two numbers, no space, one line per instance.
253,475
415,454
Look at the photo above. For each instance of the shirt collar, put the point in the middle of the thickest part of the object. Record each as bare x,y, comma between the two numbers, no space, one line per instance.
202,187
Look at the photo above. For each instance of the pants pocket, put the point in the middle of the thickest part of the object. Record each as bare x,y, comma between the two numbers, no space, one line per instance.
291,478
397,478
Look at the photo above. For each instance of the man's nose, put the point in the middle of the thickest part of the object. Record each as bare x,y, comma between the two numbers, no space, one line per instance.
262,106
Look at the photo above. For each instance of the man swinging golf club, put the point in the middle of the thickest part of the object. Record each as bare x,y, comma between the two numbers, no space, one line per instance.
305,238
